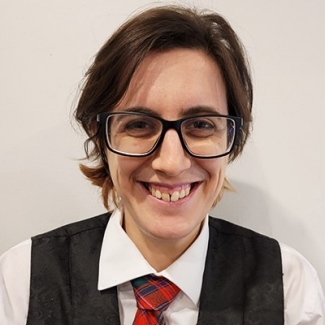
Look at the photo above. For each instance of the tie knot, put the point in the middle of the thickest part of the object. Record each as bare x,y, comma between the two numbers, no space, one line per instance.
154,293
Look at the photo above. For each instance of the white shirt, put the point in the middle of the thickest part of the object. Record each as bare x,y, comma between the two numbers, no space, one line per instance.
116,244
304,299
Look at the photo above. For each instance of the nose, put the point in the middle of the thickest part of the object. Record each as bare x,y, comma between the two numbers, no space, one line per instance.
171,158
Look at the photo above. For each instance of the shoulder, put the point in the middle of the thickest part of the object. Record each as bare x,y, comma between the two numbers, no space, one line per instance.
225,227
304,301
19,255
72,229
254,252
75,240
14,283
295,264
253,246
303,294
15,266
16,257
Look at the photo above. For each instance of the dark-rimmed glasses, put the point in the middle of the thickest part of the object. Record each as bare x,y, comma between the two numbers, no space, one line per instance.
136,134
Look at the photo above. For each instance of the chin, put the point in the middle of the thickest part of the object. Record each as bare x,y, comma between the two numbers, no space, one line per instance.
173,231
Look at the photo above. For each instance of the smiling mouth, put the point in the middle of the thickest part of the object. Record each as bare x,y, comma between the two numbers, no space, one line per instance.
169,195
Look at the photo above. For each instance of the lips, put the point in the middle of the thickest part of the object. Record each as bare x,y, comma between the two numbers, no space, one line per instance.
169,194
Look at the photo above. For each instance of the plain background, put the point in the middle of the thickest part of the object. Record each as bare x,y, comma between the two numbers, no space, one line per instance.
46,47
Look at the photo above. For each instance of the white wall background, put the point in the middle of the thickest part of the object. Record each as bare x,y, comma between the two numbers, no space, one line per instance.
45,49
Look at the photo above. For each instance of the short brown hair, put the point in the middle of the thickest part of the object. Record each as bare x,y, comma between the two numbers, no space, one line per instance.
154,30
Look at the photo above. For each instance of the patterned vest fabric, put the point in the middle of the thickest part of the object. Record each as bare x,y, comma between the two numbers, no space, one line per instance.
242,282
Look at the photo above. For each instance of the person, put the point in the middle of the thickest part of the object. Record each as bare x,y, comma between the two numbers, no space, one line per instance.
166,105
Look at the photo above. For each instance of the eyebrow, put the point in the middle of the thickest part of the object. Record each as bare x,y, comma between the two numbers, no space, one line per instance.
201,109
141,109
195,110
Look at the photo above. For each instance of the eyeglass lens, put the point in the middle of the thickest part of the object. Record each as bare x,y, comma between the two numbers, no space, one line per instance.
137,134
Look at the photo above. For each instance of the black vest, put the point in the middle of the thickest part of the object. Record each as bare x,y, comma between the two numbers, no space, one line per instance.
242,282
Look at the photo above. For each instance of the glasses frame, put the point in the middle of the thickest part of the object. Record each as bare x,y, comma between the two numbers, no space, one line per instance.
166,125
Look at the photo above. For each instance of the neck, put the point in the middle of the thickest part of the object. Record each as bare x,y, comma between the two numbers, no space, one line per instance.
160,253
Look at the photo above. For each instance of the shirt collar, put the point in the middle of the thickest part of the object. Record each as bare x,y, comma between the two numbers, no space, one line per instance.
121,261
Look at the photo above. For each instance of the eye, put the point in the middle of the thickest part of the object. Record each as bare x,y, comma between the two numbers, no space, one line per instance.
202,125
138,126
199,127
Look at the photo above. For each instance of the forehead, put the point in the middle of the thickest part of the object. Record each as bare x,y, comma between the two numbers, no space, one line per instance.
172,82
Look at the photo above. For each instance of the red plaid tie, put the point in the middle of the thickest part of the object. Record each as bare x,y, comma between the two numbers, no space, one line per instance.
154,295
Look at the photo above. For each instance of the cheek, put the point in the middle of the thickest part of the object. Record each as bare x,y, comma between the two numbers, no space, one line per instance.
216,170
115,168
122,169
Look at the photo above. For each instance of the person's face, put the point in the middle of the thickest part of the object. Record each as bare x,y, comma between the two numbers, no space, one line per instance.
171,85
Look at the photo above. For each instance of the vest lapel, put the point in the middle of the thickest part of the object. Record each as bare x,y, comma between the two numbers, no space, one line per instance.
242,281
90,305
221,301
65,275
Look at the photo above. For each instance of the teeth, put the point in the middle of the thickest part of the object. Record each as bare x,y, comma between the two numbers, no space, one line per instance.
182,193
165,197
175,196
158,194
